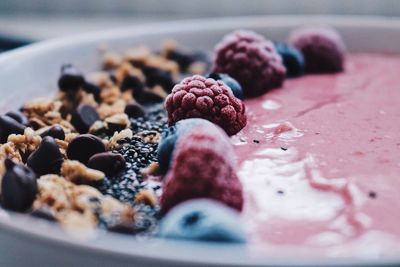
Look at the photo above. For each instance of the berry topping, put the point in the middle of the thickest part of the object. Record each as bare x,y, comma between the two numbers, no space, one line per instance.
107,162
199,97
170,137
47,158
9,125
71,79
18,187
203,220
323,49
229,81
251,60
292,59
84,146
202,166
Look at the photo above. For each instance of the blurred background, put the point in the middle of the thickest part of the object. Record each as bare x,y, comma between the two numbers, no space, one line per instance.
23,21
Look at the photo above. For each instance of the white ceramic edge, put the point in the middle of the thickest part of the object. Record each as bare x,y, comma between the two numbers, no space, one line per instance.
192,252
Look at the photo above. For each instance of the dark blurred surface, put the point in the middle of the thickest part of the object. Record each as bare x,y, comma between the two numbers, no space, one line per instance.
10,42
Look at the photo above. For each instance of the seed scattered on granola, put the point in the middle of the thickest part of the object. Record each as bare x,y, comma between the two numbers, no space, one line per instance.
93,147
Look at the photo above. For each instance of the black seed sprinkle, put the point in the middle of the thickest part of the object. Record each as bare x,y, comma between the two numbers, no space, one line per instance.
256,141
284,148
280,192
372,194
138,155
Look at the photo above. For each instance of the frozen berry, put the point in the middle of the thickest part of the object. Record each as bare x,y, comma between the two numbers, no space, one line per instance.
292,59
202,166
323,49
229,81
169,138
199,97
251,60
203,220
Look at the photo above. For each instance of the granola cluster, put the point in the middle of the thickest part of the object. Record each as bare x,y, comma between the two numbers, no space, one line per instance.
89,151
78,206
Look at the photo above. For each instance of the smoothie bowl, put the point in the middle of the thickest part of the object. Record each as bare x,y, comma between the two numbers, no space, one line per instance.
246,141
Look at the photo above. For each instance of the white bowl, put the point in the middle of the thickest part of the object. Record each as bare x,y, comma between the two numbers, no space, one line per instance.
33,71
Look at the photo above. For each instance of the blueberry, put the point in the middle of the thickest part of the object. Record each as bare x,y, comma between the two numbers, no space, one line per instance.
170,136
230,82
203,220
292,59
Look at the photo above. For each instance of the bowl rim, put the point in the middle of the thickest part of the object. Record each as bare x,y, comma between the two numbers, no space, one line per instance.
210,253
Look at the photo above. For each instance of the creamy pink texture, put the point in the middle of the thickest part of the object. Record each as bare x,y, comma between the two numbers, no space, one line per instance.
319,160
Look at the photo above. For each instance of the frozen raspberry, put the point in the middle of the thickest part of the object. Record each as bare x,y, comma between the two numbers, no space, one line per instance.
202,167
199,97
251,60
323,49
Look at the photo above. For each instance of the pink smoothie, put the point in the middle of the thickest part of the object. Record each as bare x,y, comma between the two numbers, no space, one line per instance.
320,160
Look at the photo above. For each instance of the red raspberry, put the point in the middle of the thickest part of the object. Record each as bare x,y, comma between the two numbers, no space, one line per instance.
199,97
251,60
323,49
202,167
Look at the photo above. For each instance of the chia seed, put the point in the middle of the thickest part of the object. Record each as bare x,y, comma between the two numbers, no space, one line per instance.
138,155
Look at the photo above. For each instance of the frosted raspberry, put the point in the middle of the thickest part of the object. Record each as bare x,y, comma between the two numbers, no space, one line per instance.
202,167
323,49
199,97
251,60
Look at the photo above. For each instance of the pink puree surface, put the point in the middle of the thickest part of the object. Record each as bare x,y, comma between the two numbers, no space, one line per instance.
336,182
